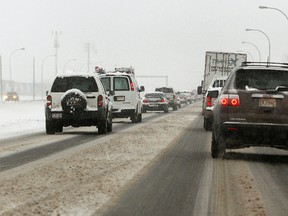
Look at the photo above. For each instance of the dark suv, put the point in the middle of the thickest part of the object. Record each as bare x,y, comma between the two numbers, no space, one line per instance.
251,109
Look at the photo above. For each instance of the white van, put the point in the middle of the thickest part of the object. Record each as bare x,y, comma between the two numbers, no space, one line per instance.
125,93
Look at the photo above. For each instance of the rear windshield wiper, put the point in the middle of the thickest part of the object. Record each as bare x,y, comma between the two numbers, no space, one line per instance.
281,88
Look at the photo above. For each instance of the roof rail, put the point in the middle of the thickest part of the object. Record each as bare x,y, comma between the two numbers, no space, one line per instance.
128,70
267,64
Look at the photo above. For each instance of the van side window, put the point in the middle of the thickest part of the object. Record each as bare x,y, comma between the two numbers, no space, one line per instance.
121,84
106,83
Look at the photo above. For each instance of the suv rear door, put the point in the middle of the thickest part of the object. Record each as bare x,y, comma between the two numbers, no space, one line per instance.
262,96
87,85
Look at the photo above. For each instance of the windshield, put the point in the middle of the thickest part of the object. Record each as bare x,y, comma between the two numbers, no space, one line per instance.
165,90
121,84
84,84
154,95
261,79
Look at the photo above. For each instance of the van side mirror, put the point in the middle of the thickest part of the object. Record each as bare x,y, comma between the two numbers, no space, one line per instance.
111,92
47,93
142,89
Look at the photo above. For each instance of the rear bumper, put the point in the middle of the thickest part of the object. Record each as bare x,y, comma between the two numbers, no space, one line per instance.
85,118
122,113
255,134
158,107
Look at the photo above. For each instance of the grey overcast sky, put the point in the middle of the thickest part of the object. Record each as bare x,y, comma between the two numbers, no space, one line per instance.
156,37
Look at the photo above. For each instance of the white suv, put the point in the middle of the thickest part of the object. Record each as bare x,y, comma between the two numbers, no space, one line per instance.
125,93
78,100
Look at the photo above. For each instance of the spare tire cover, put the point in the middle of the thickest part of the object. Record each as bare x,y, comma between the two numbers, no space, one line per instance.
73,101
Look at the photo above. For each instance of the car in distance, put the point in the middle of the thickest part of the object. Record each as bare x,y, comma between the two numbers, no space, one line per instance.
11,96
155,101
170,93
251,109
183,98
78,100
188,95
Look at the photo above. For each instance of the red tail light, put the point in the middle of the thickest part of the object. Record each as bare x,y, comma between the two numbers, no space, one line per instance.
208,101
145,101
49,101
162,100
100,100
132,86
230,100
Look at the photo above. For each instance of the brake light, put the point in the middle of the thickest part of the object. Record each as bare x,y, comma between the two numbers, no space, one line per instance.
100,100
224,101
145,101
208,101
235,101
132,86
162,100
49,101
230,100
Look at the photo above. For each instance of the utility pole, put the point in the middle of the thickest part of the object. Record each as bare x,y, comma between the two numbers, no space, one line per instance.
56,46
33,78
88,47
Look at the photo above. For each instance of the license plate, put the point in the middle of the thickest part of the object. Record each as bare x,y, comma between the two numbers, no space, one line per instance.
267,102
119,98
153,105
56,115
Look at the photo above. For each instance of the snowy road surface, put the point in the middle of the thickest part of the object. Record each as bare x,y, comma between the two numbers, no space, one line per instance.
161,166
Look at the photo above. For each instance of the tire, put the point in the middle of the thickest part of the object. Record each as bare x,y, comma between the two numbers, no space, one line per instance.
166,109
50,127
109,124
218,148
134,118
139,118
144,110
207,124
102,127
59,128
74,102
175,107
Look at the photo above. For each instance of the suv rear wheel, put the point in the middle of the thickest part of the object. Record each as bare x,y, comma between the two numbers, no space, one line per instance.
50,127
109,124
102,128
207,124
218,148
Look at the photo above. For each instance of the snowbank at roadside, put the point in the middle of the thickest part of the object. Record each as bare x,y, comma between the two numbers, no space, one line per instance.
21,117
